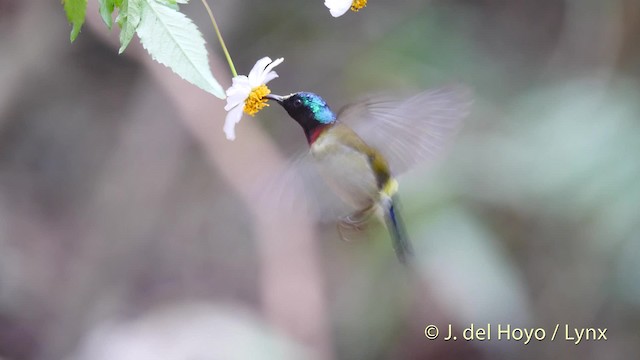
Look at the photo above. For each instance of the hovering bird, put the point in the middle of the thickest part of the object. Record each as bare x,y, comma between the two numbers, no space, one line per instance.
352,160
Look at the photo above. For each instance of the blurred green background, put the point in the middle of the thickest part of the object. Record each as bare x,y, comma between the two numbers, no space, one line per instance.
123,235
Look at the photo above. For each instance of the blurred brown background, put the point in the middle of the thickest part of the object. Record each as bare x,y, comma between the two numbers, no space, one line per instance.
128,228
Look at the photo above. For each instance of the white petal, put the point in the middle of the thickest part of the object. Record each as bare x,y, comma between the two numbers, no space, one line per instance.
244,91
258,69
235,100
238,92
240,81
267,70
234,91
270,76
338,7
240,86
233,117
236,96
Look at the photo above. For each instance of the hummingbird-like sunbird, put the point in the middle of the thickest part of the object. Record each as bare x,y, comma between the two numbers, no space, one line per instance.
351,149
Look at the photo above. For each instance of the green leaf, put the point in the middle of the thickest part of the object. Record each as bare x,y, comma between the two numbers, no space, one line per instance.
173,39
106,10
172,3
76,10
128,18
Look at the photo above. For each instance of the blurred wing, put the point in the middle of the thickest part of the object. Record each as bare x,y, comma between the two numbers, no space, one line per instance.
299,187
412,130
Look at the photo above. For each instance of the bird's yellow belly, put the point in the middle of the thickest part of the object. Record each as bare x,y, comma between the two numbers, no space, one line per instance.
347,172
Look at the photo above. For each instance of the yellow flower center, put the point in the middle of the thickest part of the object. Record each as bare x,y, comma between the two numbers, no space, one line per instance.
256,100
358,4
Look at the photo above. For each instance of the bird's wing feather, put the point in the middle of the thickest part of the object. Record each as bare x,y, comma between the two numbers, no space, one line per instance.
299,185
412,130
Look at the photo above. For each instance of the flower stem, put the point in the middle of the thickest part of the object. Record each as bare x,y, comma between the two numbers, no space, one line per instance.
224,47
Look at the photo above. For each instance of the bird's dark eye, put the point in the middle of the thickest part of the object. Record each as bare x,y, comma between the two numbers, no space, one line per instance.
297,103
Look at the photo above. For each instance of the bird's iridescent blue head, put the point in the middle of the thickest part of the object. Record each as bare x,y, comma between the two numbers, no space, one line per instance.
315,106
308,109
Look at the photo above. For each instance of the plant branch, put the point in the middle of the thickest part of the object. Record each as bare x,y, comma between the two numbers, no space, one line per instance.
222,44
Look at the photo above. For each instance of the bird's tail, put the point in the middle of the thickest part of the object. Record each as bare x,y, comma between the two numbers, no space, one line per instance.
401,243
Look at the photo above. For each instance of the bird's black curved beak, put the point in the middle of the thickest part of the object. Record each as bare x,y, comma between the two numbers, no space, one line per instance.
277,98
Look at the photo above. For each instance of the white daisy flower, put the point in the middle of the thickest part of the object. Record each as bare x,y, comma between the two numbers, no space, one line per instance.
247,93
339,7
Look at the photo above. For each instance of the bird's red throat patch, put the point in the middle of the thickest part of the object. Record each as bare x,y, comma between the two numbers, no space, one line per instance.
315,133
